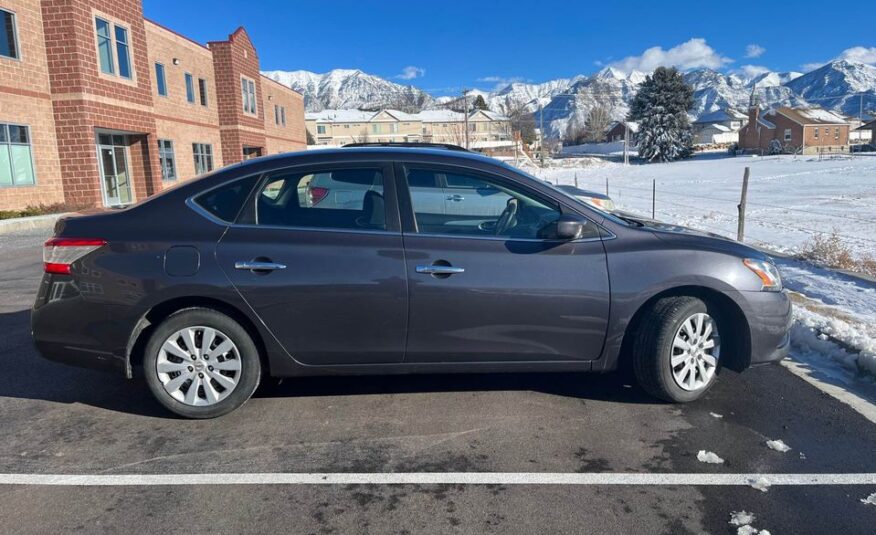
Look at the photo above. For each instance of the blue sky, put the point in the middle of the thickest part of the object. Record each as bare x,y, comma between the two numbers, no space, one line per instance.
443,46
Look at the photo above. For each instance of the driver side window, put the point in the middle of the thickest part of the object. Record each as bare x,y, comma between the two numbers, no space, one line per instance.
459,203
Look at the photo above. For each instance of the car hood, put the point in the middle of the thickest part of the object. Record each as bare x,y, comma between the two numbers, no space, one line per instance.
682,236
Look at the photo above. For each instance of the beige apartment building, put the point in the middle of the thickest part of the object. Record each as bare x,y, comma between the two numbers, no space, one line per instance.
486,129
100,106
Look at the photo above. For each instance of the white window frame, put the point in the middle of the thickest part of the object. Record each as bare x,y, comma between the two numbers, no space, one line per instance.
114,49
29,144
248,94
788,134
198,151
17,56
162,157
320,129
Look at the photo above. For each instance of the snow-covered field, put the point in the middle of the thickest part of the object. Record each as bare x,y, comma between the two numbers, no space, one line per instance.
790,199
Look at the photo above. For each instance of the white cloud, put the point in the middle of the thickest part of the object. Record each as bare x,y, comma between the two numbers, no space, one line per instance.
750,71
754,51
501,81
689,55
410,72
861,54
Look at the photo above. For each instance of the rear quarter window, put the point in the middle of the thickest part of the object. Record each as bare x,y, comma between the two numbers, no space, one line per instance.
226,201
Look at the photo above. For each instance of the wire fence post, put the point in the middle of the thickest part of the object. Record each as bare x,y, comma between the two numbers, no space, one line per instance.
740,230
606,187
576,180
653,198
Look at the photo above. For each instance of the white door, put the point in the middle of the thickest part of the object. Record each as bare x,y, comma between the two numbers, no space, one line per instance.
112,154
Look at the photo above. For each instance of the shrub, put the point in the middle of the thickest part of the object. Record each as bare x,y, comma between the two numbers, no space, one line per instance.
40,209
830,251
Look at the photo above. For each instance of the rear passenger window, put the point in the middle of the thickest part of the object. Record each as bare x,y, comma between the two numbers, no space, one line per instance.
226,201
333,198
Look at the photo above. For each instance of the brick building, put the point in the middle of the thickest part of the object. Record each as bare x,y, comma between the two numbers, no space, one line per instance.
99,106
794,130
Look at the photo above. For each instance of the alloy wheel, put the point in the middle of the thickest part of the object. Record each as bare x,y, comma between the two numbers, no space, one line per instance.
199,366
695,352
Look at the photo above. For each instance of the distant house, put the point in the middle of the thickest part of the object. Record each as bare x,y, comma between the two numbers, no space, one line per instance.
719,127
865,133
617,131
798,130
486,130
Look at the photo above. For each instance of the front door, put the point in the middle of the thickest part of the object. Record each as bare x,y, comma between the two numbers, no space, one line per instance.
494,285
112,153
327,278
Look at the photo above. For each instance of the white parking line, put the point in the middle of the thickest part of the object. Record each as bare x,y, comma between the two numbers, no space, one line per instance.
436,478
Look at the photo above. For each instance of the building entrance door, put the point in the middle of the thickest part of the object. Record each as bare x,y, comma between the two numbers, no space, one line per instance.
115,179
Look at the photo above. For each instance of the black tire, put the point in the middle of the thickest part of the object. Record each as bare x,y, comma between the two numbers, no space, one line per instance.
652,347
250,363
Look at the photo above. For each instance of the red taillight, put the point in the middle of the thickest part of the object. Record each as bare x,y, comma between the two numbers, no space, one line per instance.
60,253
317,194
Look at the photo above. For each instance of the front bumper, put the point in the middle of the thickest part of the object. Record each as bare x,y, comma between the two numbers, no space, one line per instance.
769,318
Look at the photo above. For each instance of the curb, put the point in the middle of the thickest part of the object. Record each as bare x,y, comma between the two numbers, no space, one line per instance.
9,226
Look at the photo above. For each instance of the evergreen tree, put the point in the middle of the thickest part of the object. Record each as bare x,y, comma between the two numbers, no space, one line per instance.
660,107
479,103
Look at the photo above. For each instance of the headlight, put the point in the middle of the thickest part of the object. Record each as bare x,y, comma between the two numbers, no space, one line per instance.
767,273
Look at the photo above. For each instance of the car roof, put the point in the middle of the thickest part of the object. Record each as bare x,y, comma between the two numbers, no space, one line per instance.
337,154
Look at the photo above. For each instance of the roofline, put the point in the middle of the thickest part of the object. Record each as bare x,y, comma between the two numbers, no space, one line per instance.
176,33
286,87
779,110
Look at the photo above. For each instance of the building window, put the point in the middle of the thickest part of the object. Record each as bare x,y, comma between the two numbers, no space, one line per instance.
283,116
375,128
320,129
113,48
787,134
203,153
816,133
279,115
190,88
276,114
167,159
160,79
836,133
16,157
202,91
8,37
248,92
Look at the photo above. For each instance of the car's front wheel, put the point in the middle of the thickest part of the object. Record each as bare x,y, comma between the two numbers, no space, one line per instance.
677,351
199,363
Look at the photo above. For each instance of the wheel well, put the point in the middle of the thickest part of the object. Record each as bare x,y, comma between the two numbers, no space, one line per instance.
161,311
735,350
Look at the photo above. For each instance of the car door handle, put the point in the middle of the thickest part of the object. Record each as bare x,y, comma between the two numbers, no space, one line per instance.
440,270
253,265
455,198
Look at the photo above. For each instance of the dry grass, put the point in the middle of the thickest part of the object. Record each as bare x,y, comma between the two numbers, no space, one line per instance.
41,209
830,251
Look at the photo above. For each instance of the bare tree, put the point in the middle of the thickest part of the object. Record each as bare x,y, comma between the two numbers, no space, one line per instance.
522,121
596,124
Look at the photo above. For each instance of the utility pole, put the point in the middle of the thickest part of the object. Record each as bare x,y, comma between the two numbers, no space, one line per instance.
541,132
465,112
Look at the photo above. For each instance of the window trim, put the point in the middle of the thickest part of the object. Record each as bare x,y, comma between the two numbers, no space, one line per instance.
164,76
113,24
33,168
250,84
196,153
15,38
203,95
161,151
189,81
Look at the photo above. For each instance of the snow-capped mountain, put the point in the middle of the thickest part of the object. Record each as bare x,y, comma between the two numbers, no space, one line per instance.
350,88
841,85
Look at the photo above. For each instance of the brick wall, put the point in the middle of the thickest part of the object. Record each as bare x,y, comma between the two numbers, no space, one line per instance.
25,99
280,138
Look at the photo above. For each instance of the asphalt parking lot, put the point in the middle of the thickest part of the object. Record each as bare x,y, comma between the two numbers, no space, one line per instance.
63,420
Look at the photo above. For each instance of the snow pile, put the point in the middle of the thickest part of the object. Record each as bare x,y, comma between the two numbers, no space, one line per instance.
716,415
708,457
871,499
762,484
743,520
812,334
778,445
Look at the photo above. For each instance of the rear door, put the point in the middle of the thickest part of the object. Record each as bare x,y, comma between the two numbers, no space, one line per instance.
491,287
328,279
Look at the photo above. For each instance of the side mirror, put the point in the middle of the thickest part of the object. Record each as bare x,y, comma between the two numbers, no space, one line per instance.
570,227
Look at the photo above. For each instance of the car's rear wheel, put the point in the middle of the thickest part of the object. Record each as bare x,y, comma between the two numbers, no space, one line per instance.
677,351
199,363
